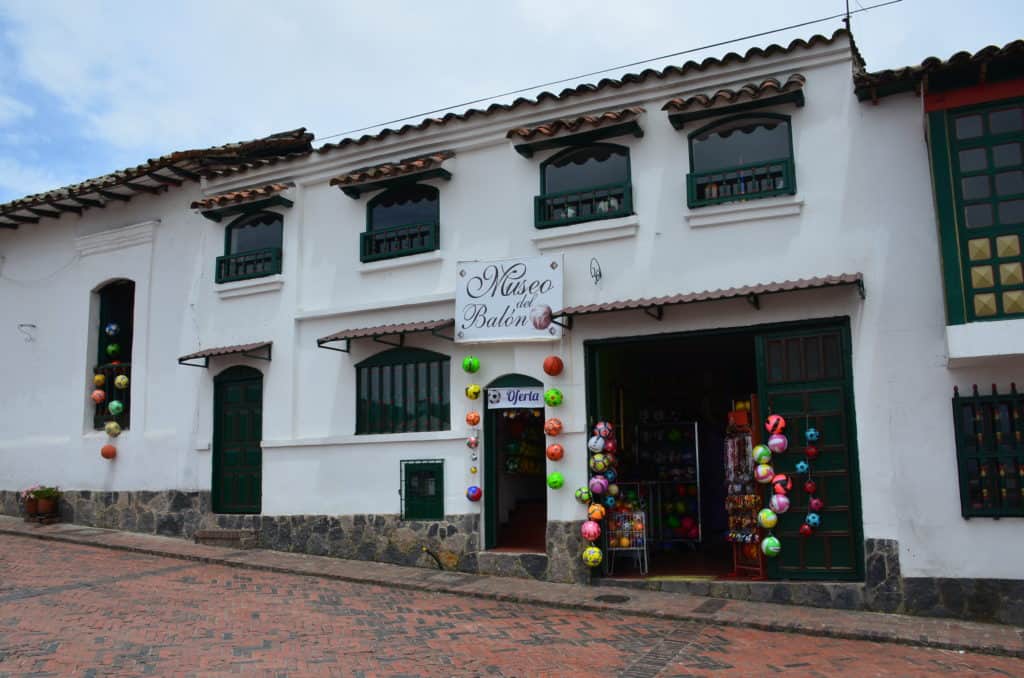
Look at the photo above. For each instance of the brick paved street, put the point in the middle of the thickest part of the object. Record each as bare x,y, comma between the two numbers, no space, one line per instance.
67,609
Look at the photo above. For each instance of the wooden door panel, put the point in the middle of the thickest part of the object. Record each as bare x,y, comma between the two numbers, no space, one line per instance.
237,481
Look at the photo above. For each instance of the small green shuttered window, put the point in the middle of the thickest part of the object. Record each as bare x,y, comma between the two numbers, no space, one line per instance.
423,490
990,453
584,183
401,221
403,390
252,247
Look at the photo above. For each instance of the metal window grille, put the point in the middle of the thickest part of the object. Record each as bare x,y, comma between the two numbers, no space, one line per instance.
990,452
422,489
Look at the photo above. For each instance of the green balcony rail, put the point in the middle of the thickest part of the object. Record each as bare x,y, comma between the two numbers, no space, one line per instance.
110,372
399,241
572,207
748,182
246,265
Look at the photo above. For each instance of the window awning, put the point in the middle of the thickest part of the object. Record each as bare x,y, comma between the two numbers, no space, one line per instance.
751,96
653,306
583,129
374,178
259,351
377,333
216,207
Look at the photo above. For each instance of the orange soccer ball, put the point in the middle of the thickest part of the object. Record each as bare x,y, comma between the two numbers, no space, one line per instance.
553,365
473,418
555,452
108,451
553,426
595,512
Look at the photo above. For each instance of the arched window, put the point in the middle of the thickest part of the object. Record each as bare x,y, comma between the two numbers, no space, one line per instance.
402,390
741,158
114,332
401,221
252,247
584,183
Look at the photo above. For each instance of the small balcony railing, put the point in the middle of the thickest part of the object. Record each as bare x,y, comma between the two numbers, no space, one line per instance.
748,182
572,207
245,265
110,372
399,241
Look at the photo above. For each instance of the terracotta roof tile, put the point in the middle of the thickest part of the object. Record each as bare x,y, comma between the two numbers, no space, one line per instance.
572,125
226,350
390,170
714,295
386,330
727,97
238,197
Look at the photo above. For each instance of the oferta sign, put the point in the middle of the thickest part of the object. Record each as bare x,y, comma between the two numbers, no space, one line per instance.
508,300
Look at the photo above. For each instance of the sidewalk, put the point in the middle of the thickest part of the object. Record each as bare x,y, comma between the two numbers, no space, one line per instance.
919,631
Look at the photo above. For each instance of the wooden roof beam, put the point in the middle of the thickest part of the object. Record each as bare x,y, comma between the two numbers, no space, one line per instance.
67,208
164,180
142,188
89,202
22,220
4,224
110,195
43,213
183,173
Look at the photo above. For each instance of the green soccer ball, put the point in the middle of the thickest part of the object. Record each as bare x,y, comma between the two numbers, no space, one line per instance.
555,480
113,350
471,364
553,397
771,546
583,495
115,407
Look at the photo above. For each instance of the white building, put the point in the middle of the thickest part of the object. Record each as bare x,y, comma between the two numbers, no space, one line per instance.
789,181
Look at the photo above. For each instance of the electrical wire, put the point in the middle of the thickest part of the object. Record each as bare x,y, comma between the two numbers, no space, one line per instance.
613,68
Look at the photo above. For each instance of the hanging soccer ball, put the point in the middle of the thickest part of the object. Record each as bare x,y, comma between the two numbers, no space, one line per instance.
813,519
555,452
113,350
553,397
553,426
473,470
112,329
473,391
121,382
613,490
473,418
778,443
598,463
592,556
472,442
553,365
767,519
781,483
590,530
815,504
555,480
802,467
810,487
108,451
596,444
806,530
583,495
115,407
763,473
473,493
598,485
98,380
813,435
761,454
779,503
609,501
112,429
471,364
98,396
595,512
770,546
610,445
811,452
775,424
603,429
611,475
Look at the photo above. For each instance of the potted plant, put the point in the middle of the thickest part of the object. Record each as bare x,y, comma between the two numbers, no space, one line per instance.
47,498
28,497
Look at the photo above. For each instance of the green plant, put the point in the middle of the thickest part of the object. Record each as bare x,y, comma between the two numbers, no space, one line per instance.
45,492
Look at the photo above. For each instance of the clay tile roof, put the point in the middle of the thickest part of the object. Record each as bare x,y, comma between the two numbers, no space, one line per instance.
751,291
988,64
391,170
387,330
226,350
769,88
573,125
238,197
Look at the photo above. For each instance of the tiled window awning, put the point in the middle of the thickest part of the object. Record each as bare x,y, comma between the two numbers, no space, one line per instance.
259,351
770,92
367,179
583,129
380,331
216,207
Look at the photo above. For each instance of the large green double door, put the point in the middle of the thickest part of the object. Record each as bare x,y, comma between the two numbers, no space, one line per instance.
237,432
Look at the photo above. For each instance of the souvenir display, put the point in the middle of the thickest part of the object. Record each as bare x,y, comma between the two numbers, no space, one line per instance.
108,451
473,493
473,391
471,364
553,365
121,382
555,452
553,397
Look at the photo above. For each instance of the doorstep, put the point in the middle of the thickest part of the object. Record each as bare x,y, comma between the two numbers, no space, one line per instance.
833,595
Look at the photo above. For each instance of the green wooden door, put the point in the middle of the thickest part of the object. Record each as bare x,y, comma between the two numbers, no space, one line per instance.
237,431
805,376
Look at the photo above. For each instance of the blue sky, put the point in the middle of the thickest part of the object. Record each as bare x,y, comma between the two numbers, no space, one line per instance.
91,86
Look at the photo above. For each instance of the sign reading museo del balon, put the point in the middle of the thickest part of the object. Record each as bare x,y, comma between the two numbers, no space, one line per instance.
508,300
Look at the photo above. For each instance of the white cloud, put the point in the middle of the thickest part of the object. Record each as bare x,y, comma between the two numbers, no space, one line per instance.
26,179
12,110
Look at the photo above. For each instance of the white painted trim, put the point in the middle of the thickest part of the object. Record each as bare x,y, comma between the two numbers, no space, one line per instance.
985,342
116,239
759,209
402,262
385,438
245,288
586,233
383,305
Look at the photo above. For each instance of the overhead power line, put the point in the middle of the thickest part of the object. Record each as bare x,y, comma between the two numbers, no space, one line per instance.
464,104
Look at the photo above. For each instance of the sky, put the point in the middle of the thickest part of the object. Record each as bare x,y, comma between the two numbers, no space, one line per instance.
88,87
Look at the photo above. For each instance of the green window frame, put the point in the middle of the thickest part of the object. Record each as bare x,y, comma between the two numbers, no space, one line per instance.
389,241
717,184
587,203
990,453
245,263
422,489
403,390
116,306
978,173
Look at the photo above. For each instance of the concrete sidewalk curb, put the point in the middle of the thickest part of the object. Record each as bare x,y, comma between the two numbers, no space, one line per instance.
470,586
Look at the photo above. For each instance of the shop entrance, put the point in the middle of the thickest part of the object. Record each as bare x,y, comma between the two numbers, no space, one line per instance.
515,492
688,409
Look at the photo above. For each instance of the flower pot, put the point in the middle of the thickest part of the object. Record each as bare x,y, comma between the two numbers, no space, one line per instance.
31,506
47,506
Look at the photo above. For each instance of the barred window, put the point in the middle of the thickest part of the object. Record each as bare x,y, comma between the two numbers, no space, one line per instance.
403,390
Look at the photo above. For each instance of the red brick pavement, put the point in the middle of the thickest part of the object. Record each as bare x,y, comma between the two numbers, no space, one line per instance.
67,609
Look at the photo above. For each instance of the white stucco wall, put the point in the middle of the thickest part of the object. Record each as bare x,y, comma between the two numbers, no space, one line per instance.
864,204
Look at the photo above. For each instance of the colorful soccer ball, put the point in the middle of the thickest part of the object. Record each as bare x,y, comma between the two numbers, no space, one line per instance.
778,443
763,473
603,429
99,380
98,396
761,454
806,530
775,424
611,475
553,365
598,485
596,444
598,463
471,364
473,418
108,451
112,329
595,512
815,504
473,470
771,546
583,495
553,397
781,483
811,452
112,429
613,490
767,519
802,467
609,501
555,480
553,426
113,349
540,316
779,503
813,435
592,556
610,445
810,487
472,442
473,493
813,519
555,452
115,407
473,391
121,382
590,530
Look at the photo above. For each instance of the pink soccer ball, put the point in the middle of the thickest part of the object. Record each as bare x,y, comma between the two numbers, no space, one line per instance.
778,443
590,530
603,429
779,503
815,505
598,485
763,473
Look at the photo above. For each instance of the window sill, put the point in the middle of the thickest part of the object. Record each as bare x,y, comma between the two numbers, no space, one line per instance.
244,288
984,342
590,232
367,439
407,261
758,209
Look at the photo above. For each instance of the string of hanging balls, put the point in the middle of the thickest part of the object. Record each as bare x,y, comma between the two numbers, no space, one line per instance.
115,406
